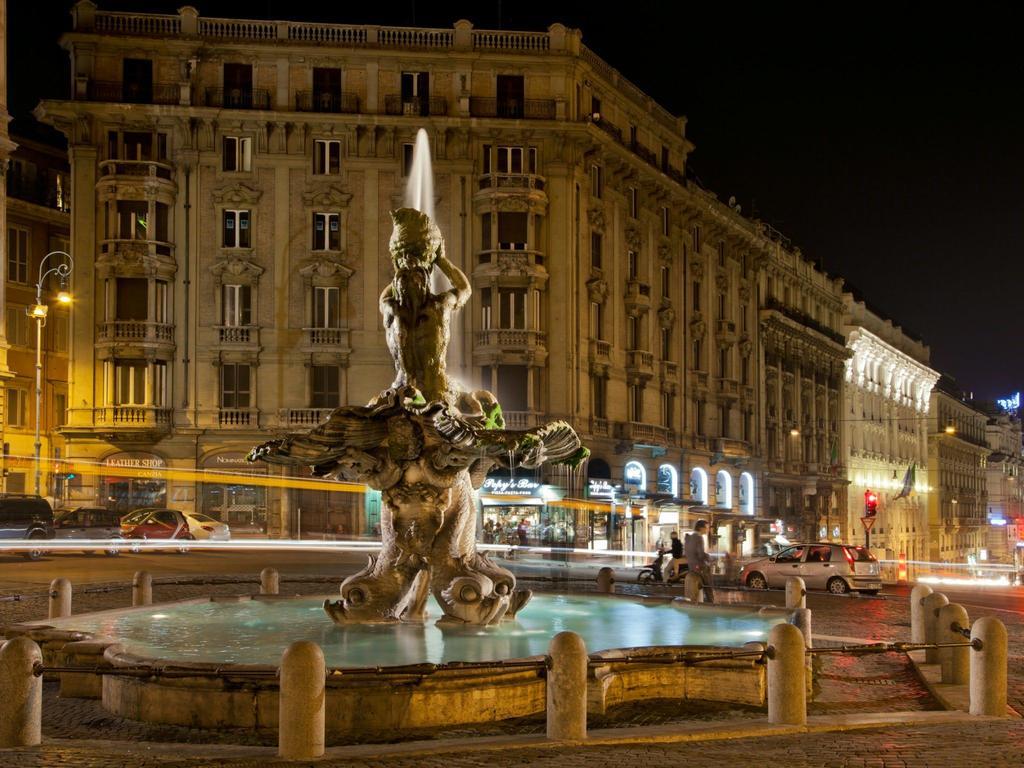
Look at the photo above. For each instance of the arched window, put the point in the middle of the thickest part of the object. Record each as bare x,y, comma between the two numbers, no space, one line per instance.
699,485
723,489
668,480
635,474
747,493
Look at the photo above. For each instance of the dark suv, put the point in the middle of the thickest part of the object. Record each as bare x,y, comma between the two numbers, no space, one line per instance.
26,517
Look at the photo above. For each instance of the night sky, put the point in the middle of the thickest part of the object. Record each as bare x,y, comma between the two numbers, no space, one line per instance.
888,144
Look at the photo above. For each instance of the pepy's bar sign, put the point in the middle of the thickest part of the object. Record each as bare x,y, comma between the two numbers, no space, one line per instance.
510,486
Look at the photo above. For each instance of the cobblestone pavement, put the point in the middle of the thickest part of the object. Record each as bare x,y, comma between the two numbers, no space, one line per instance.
847,685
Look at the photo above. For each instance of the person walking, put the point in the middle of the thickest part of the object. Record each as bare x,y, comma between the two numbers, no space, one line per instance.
677,556
697,559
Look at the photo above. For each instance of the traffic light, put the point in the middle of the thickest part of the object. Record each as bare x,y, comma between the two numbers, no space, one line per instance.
870,503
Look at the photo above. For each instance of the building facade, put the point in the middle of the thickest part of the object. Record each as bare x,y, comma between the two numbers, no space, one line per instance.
1005,513
37,223
957,476
233,248
885,406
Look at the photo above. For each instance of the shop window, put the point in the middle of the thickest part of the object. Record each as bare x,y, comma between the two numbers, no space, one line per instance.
668,480
699,485
747,493
723,489
635,474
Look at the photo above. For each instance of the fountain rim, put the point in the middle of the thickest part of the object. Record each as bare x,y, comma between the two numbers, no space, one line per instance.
43,631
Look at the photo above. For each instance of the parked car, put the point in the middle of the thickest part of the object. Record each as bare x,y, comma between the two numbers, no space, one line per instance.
155,523
23,516
839,568
90,523
205,527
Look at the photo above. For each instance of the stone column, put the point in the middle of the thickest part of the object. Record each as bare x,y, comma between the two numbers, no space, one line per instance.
567,688
301,702
787,691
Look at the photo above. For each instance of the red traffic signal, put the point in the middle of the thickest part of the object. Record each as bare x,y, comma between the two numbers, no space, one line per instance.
870,503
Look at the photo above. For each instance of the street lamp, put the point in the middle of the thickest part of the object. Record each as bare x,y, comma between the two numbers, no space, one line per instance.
38,312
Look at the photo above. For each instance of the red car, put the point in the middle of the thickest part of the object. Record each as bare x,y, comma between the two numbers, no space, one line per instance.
149,523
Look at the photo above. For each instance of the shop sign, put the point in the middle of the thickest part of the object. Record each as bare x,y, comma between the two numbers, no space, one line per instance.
601,489
233,461
635,473
668,517
510,486
134,461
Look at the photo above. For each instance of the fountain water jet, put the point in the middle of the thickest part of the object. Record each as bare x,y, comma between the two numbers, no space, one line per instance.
419,189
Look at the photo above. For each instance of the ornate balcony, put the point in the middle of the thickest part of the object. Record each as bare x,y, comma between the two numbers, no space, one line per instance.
238,98
733,448
326,337
133,93
521,419
600,351
304,418
670,371
698,379
725,330
643,433
135,332
514,181
337,103
238,335
512,267
514,109
728,387
154,170
133,416
510,346
135,251
238,418
638,296
600,427
414,106
640,362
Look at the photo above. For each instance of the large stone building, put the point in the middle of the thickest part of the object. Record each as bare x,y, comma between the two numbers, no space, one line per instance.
37,222
885,407
958,487
234,178
1005,486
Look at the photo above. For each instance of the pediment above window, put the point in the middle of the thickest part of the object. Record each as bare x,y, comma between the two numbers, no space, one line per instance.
325,272
331,196
237,194
236,269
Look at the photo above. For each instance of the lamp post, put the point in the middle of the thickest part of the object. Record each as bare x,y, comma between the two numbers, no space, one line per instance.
38,312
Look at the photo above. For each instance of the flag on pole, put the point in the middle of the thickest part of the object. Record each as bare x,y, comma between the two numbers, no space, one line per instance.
908,483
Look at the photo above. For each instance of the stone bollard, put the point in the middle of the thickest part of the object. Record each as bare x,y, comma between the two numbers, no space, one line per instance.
988,668
301,702
796,593
931,605
142,588
60,598
606,581
802,621
917,596
567,688
693,587
787,687
270,581
954,662
21,705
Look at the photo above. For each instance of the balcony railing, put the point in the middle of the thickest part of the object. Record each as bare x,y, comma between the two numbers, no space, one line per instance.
669,370
338,103
516,109
600,427
238,417
726,328
137,169
699,379
728,387
512,181
136,248
636,289
729,447
511,261
508,338
133,416
130,93
138,331
640,360
414,106
238,98
237,334
803,318
641,432
600,350
326,337
304,417
520,419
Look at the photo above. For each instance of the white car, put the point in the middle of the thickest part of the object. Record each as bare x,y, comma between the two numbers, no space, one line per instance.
204,527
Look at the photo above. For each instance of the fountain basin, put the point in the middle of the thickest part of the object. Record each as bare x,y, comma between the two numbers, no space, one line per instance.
388,677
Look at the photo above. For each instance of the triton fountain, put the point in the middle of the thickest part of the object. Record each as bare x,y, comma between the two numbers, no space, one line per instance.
426,444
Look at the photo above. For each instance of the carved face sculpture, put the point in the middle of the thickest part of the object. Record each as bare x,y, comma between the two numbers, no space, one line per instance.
411,286
415,240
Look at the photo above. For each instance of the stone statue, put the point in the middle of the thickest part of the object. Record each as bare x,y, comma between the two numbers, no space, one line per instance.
426,445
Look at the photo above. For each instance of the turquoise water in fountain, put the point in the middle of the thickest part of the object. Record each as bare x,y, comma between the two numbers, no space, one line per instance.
257,632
